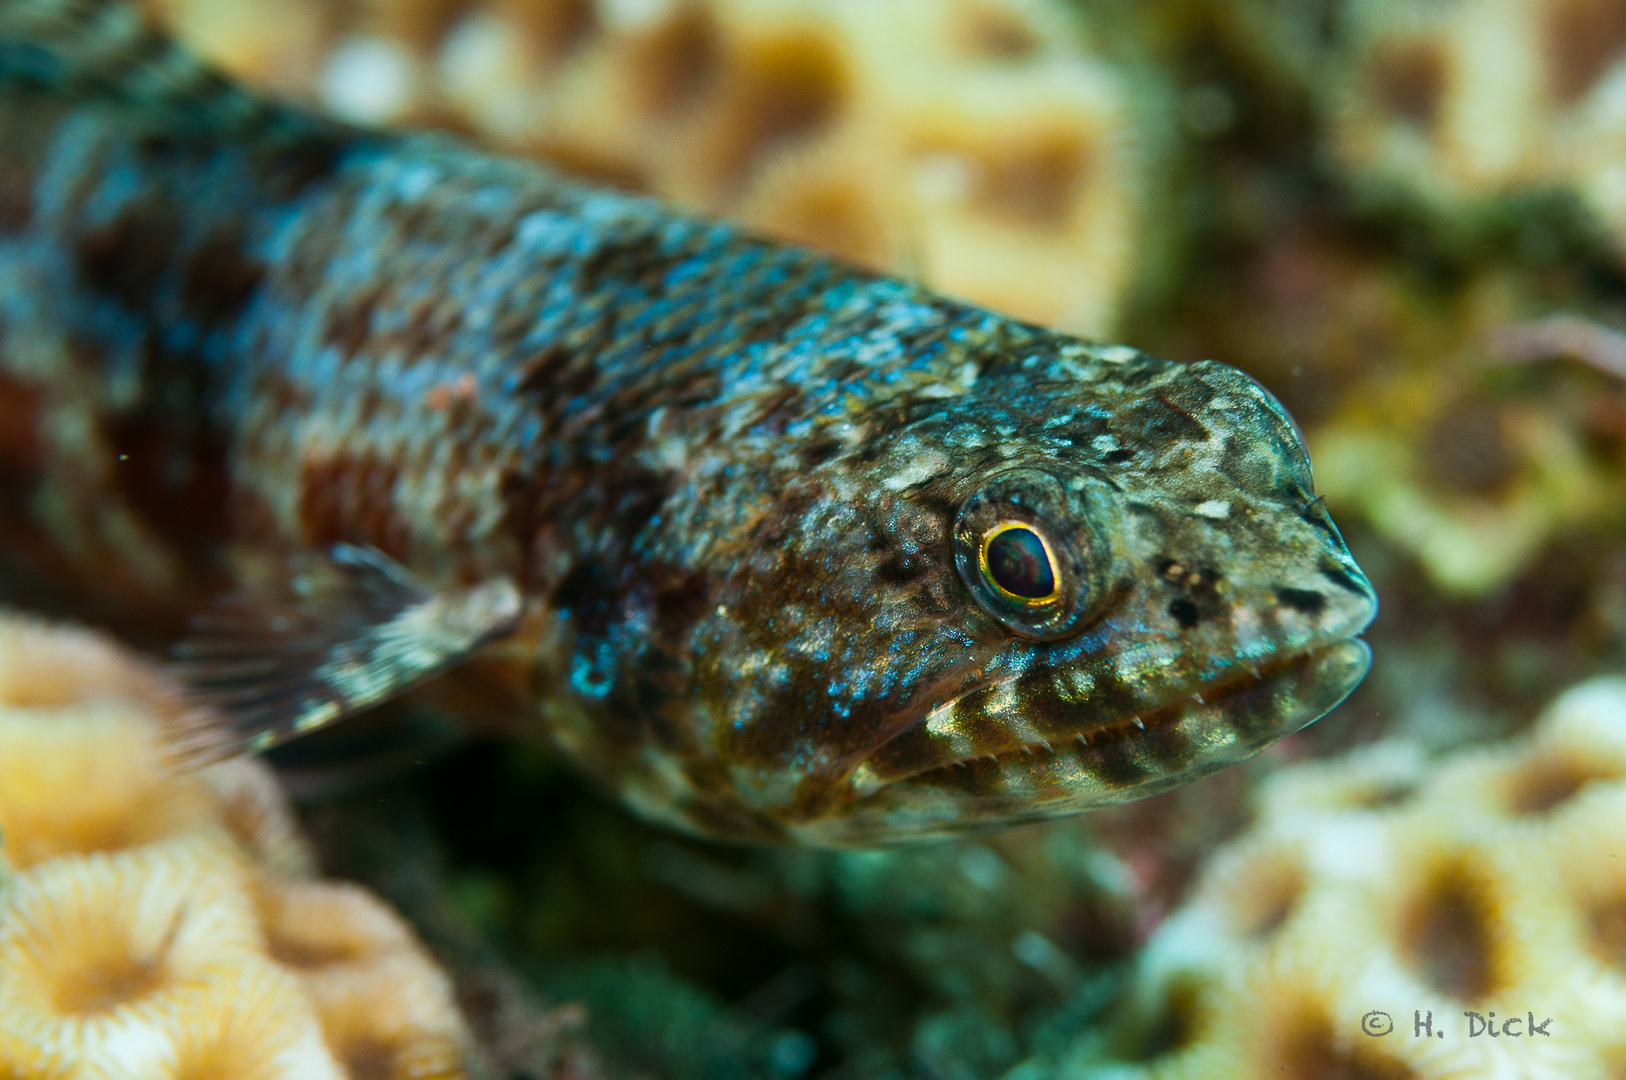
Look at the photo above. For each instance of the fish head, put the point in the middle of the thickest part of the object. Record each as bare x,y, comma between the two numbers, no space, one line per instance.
1070,576
1123,581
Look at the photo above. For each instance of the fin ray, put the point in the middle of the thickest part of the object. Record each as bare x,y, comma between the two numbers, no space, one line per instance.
357,630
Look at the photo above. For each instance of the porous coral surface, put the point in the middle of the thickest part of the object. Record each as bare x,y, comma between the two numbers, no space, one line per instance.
1476,98
983,146
158,924
1391,917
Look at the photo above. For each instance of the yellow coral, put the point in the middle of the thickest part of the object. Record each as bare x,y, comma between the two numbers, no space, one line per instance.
977,144
160,925
1374,891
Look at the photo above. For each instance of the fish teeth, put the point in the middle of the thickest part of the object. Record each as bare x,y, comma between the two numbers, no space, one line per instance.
1139,722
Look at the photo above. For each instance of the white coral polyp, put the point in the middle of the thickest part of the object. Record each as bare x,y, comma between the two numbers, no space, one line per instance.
134,963
106,754
158,924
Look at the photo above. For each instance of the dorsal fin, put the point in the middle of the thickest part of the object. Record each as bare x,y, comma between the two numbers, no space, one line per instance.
109,49
351,630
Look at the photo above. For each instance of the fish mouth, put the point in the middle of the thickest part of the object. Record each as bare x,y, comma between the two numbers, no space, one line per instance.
1043,745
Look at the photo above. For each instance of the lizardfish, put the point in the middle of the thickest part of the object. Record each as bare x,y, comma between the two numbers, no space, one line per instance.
773,548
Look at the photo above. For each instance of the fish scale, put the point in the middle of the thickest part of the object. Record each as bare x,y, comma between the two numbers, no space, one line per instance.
714,512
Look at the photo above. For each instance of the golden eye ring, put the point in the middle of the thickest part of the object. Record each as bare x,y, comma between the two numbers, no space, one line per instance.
1017,560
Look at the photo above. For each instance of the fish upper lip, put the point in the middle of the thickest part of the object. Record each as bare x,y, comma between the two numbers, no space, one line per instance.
1204,693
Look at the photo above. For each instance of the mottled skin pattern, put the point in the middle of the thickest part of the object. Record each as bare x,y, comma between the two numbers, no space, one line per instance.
726,475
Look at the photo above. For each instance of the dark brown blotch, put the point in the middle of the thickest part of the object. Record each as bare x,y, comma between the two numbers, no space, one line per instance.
16,192
126,257
773,323
428,329
21,403
632,495
1117,757
554,372
219,277
589,594
639,259
818,451
351,499
785,518
173,476
682,597
899,568
350,322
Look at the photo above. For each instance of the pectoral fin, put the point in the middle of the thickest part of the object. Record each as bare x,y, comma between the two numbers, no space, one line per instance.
354,629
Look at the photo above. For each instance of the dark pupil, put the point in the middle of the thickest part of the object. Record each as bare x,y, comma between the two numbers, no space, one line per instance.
1018,564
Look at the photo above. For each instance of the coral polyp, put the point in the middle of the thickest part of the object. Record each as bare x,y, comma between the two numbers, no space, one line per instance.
163,925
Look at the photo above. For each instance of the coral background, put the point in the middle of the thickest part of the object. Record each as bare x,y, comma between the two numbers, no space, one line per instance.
1407,220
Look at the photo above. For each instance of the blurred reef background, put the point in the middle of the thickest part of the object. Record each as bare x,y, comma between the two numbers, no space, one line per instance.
1407,219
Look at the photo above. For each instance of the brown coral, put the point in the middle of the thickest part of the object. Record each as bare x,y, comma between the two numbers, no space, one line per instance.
161,925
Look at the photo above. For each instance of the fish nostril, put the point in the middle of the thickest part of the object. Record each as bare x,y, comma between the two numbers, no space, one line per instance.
1184,612
1305,600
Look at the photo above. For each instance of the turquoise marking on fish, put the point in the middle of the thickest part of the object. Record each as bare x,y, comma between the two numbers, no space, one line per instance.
775,549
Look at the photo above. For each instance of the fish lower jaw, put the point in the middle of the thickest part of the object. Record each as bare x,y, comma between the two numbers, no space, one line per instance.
1250,678
1192,730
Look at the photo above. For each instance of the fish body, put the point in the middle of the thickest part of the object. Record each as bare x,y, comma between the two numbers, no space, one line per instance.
775,549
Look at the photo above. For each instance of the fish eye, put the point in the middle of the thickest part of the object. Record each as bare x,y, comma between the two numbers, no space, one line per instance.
1028,550
1016,560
